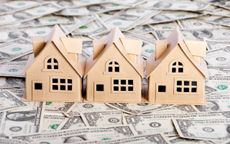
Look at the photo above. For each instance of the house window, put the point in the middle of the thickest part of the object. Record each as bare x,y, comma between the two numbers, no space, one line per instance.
161,88
38,86
122,85
186,86
52,63
177,67
113,66
61,84
99,87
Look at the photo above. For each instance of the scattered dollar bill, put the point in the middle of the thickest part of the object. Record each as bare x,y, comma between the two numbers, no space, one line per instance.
9,101
102,118
23,122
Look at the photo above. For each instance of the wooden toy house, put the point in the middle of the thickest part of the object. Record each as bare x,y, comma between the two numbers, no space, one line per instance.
57,70
177,72
115,71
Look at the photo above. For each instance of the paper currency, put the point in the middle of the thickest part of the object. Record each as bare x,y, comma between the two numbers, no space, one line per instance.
202,129
102,118
23,122
8,101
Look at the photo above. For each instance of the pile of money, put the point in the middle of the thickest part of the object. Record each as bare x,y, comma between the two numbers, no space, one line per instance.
23,122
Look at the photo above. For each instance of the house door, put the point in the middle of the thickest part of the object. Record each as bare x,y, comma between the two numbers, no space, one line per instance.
99,90
160,91
37,90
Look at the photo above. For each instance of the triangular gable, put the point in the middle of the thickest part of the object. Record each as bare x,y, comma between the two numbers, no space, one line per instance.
114,38
92,62
173,40
59,39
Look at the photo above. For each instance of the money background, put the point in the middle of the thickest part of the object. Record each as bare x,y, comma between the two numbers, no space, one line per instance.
23,122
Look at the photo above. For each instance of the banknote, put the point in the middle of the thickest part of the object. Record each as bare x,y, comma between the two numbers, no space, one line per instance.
176,140
198,34
202,129
7,82
51,121
14,6
89,107
102,118
22,121
73,122
13,69
129,18
170,16
14,49
19,122
12,141
80,135
9,101
136,108
58,106
48,20
29,14
91,9
146,139
174,5
13,33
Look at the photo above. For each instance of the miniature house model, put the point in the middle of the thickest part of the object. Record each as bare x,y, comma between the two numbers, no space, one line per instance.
115,71
57,71
177,72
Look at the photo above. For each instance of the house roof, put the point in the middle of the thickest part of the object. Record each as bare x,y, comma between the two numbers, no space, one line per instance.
65,46
191,49
125,46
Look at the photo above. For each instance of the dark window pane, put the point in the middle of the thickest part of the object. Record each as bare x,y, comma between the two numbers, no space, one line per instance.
180,70
62,87
130,88
173,70
178,89
49,67
69,87
38,86
180,64
69,81
194,83
55,66
179,82
55,61
49,60
174,64
123,82
117,69
54,80
99,87
161,88
116,63
130,82
186,83
123,88
62,80
110,69
115,88
55,87
110,63
115,81
186,89
194,90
